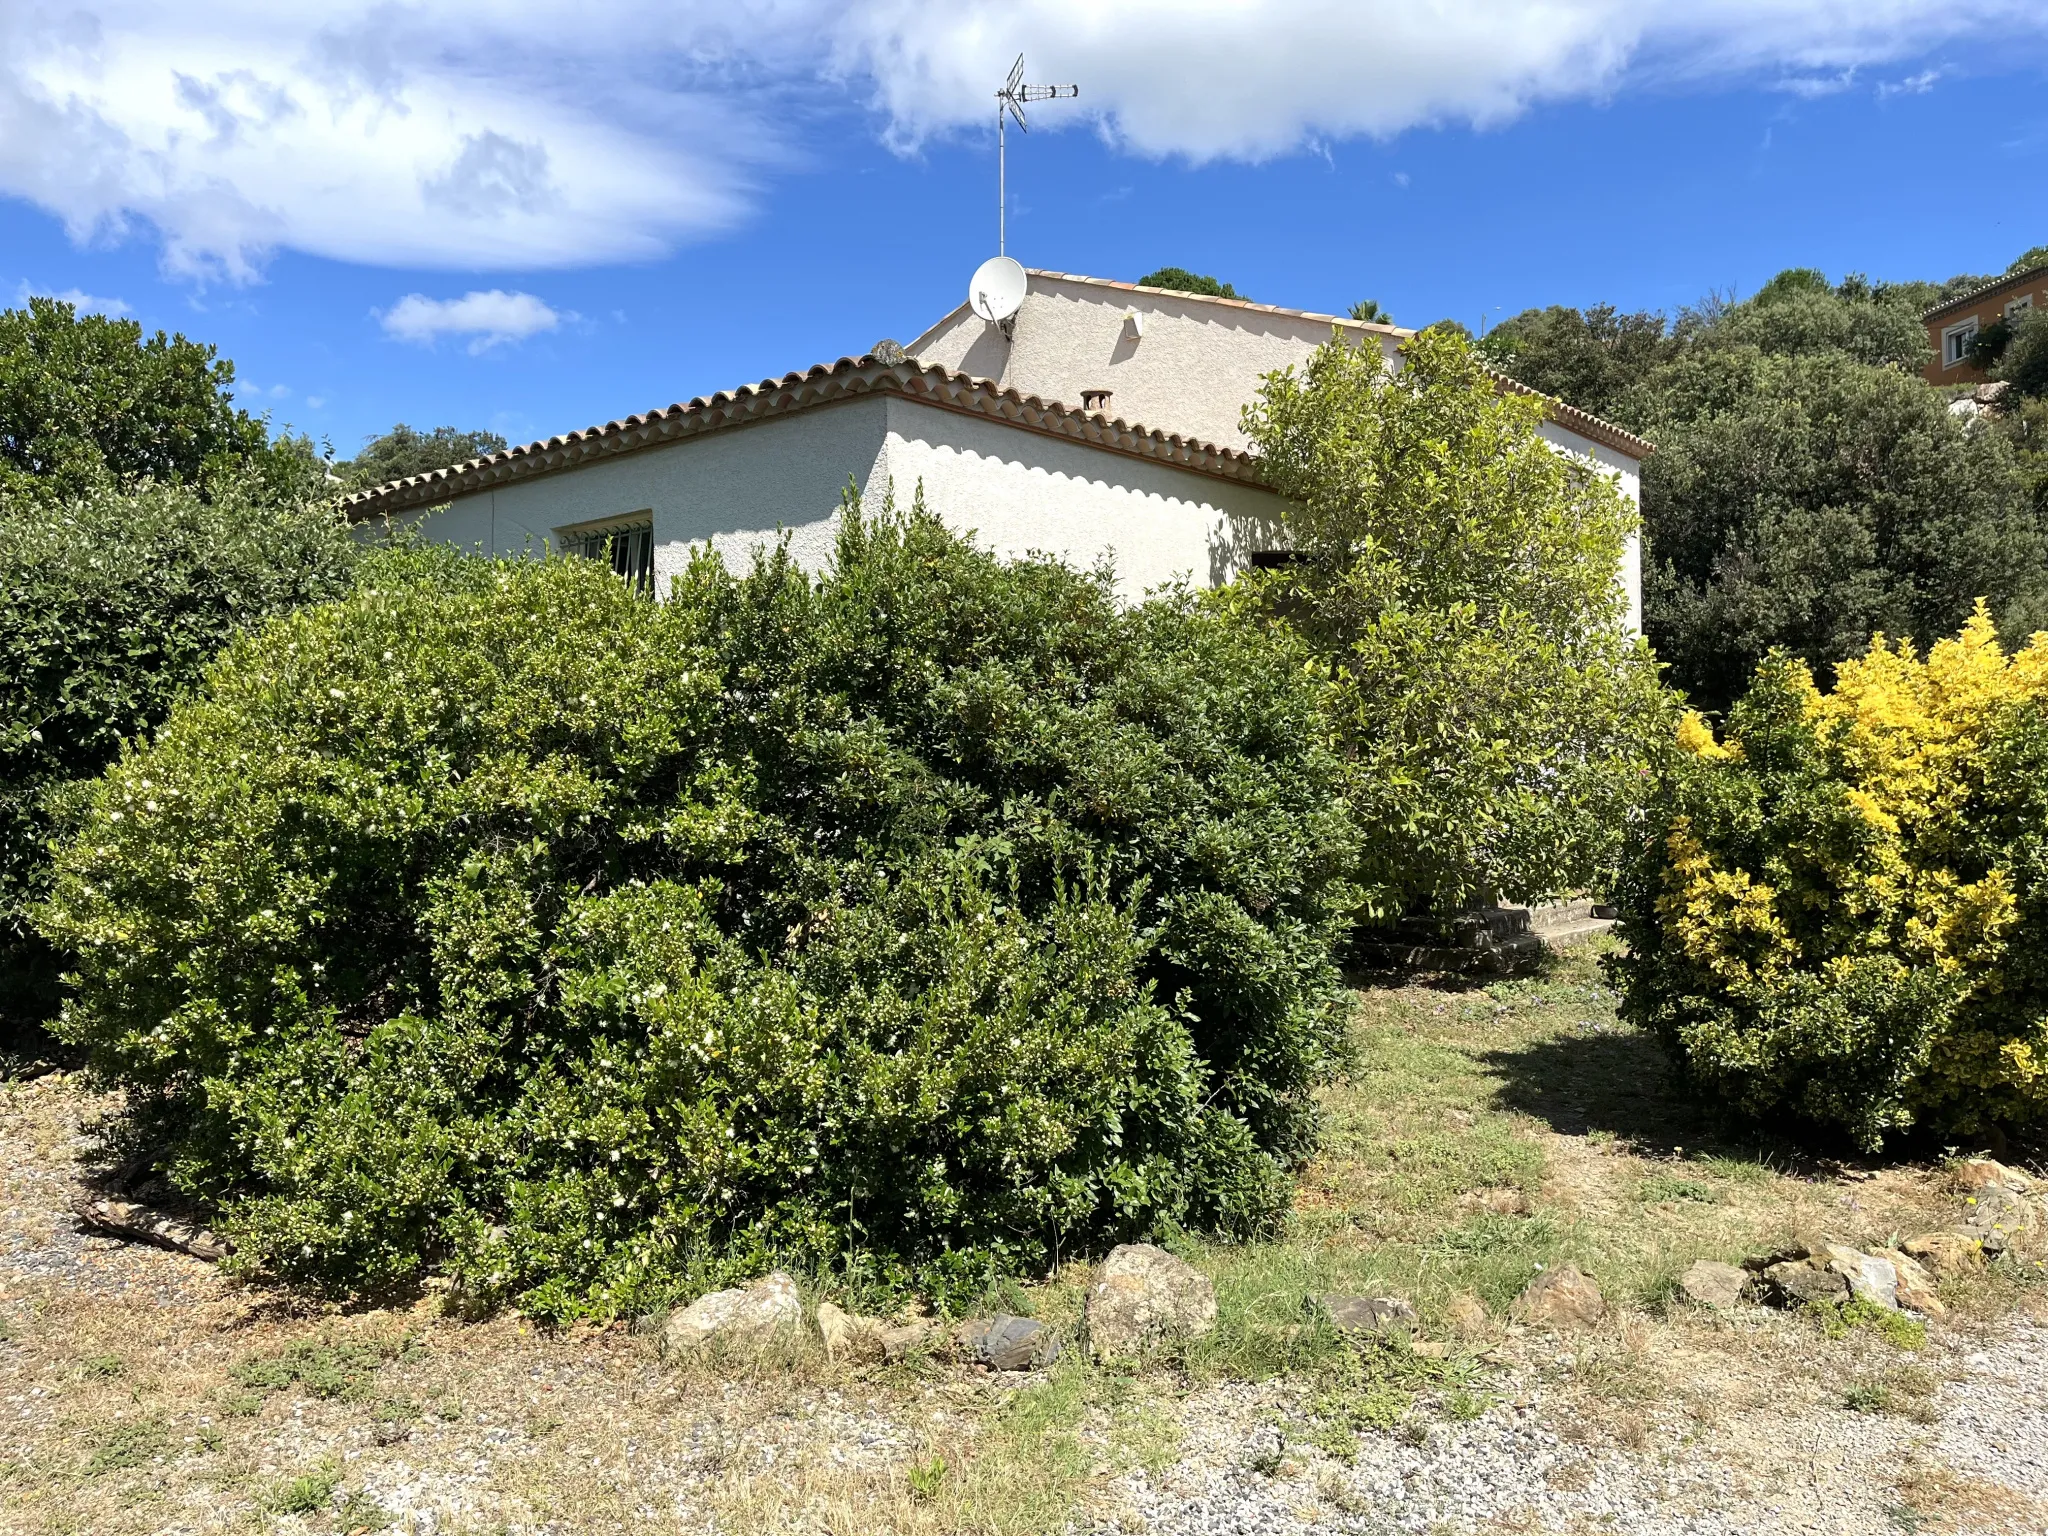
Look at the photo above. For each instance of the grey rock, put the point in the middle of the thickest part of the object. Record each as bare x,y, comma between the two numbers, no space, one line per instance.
1006,1343
1561,1298
1144,1296
1870,1278
746,1318
1371,1314
1795,1282
1994,1215
1709,1284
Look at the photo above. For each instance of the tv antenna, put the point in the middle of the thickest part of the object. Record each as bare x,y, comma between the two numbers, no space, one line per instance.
1010,103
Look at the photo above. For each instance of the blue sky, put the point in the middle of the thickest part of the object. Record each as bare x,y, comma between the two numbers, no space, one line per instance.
724,204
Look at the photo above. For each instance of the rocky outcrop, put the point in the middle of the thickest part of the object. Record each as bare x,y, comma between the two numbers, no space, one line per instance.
1144,1297
1835,1272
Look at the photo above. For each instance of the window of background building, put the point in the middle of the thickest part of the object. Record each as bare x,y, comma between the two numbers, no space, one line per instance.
1955,343
627,545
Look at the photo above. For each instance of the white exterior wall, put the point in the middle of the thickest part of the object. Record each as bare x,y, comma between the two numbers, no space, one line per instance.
1628,478
1019,491
1196,366
732,489
1022,492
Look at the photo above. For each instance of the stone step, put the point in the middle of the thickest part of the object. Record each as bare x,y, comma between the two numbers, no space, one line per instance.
1496,938
1577,933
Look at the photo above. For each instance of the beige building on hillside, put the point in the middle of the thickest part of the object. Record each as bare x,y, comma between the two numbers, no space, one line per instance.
1101,420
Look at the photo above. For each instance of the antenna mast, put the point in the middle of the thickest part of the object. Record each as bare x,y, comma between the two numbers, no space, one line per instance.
1010,103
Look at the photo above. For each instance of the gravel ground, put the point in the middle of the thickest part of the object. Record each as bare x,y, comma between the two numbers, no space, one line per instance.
1800,1466
1728,1429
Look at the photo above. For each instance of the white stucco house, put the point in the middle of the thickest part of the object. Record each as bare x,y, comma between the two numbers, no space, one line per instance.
1101,419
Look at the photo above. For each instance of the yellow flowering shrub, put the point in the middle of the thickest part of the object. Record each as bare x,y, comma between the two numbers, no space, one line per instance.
1838,910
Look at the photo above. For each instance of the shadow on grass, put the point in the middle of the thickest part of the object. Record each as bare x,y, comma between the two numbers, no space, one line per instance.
1615,1080
1540,966
1611,1079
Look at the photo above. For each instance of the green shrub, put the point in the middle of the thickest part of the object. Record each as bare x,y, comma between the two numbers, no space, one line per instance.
110,607
1458,584
924,922
1803,503
1837,914
2024,363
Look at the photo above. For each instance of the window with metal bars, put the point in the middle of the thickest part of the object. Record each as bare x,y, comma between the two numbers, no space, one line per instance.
628,547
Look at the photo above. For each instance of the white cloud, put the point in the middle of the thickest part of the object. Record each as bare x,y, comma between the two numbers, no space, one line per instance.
542,133
84,303
1813,87
489,318
1224,78
1912,85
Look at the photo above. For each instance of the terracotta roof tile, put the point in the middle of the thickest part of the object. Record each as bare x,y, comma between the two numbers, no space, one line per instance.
1964,300
848,378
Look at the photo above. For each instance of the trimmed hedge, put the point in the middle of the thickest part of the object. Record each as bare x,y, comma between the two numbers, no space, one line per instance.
1838,916
921,923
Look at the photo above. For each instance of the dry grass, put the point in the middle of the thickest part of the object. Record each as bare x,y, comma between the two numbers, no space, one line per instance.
1485,1131
1944,1500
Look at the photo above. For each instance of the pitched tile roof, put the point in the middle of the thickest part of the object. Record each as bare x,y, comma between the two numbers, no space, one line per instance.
1965,300
1585,423
846,379
1210,298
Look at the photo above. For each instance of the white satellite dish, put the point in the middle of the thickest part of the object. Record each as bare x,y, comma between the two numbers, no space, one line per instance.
996,290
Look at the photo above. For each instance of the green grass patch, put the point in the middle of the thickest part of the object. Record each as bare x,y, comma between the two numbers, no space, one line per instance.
306,1494
1669,1186
324,1369
1377,1389
128,1445
1838,1319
